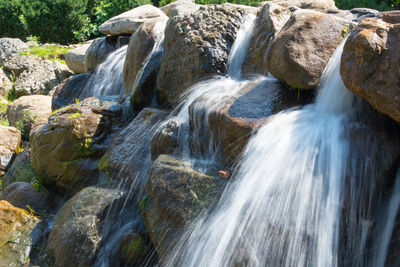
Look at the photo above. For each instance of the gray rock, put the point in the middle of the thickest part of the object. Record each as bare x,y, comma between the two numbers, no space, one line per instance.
65,152
174,195
40,78
128,157
75,58
5,83
140,79
78,229
11,47
22,195
28,110
10,140
70,91
196,45
129,21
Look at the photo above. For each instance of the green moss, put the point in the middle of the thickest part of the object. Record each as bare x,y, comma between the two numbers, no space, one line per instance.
142,200
134,249
75,115
49,52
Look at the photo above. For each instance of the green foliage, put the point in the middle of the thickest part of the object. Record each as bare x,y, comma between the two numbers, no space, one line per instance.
49,52
379,5
12,22
54,20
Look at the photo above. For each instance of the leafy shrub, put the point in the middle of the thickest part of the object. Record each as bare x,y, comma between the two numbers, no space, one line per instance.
12,23
349,4
54,20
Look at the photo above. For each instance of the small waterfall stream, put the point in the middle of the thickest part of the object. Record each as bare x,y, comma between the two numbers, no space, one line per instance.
283,208
107,80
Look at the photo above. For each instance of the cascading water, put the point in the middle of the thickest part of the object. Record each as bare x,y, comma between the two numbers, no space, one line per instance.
107,79
213,93
283,208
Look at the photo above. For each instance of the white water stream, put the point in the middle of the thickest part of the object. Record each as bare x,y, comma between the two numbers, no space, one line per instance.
284,207
107,79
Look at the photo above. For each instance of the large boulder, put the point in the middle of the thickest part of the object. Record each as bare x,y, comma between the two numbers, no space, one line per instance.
128,157
167,9
19,64
24,195
79,227
269,22
40,78
174,195
11,47
308,4
10,141
196,45
100,48
70,91
129,21
16,235
370,62
232,122
300,52
5,83
144,48
65,151
75,58
28,110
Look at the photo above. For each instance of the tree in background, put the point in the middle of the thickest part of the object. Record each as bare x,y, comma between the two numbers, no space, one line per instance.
12,23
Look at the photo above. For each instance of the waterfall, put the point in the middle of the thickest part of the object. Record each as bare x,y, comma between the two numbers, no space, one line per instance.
283,207
107,79
390,220
207,96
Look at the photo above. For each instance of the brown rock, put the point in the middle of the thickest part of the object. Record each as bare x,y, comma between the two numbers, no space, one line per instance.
65,151
370,62
16,235
302,49
10,141
268,24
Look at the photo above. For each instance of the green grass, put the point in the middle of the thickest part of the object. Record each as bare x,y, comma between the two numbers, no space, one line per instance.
49,52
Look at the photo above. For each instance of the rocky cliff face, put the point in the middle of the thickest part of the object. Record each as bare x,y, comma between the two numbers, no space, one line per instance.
127,175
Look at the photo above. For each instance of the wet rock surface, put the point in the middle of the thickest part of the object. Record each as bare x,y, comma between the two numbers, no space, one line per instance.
128,161
78,229
69,91
174,195
100,48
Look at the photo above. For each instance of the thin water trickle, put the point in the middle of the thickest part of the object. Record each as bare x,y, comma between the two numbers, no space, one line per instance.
386,236
283,208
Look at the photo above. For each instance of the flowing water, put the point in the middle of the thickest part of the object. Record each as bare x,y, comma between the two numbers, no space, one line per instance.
107,79
284,206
